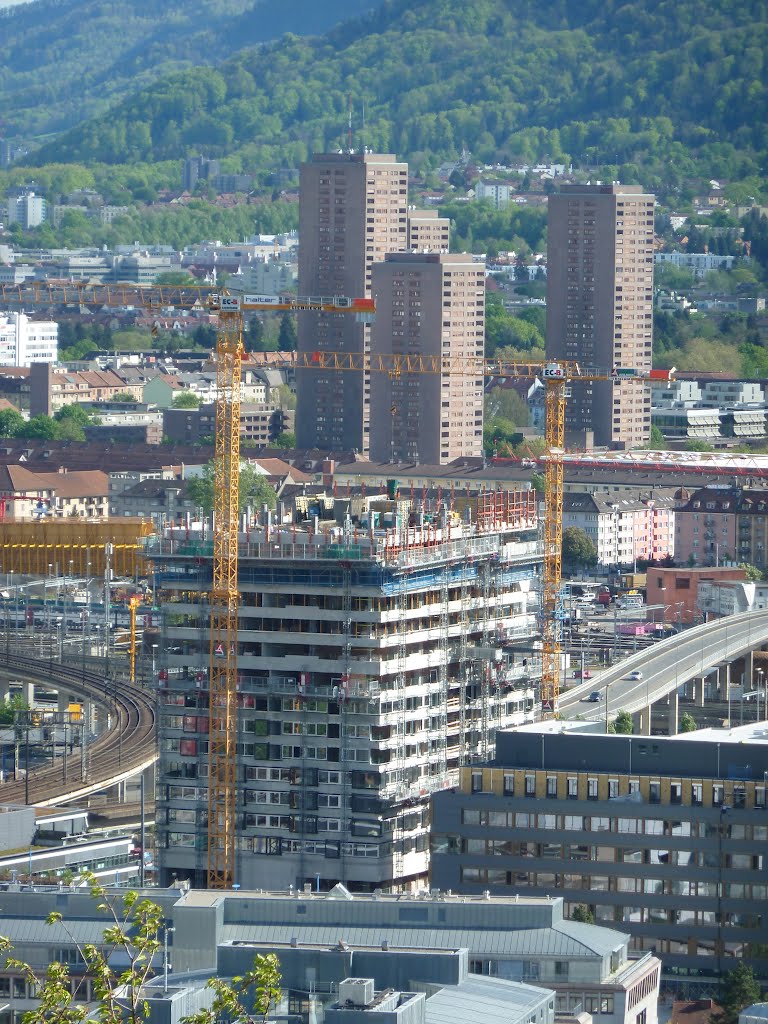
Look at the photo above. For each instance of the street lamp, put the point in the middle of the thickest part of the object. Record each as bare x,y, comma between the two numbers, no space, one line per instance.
166,965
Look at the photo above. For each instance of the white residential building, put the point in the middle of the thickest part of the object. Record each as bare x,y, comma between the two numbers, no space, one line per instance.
699,263
28,210
24,341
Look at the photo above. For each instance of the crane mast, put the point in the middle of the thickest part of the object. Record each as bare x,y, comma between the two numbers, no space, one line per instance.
224,599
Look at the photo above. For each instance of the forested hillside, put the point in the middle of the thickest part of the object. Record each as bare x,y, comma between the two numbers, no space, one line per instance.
673,88
66,60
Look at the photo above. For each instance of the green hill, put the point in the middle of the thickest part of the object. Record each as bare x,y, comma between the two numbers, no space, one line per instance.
65,61
674,88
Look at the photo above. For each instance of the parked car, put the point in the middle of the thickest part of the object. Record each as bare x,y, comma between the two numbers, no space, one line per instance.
595,697
637,674
586,674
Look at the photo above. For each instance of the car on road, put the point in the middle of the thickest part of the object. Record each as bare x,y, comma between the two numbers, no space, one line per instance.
595,697
585,674
637,674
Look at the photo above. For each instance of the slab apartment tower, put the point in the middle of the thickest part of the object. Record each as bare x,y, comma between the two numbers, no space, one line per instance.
428,304
353,209
600,303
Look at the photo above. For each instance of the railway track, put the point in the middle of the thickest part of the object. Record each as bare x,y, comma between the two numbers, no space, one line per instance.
123,750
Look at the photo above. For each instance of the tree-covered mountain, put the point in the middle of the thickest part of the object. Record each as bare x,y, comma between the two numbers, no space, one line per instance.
673,87
65,61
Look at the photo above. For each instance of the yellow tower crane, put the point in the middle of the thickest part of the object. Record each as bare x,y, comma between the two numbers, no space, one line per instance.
224,597
557,377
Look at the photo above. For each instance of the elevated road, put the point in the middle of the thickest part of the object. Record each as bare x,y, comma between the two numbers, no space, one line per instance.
122,751
667,665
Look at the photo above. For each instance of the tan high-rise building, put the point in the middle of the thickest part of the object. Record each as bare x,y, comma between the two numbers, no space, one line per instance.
600,303
428,304
427,232
353,210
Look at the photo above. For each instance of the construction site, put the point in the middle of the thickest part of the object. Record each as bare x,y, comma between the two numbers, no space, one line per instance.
380,645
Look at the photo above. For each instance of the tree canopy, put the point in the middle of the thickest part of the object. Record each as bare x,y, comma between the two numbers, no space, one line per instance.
254,488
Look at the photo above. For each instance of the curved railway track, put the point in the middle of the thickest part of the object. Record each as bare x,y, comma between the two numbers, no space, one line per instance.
121,751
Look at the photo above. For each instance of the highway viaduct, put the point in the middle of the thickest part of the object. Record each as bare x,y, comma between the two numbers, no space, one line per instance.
666,666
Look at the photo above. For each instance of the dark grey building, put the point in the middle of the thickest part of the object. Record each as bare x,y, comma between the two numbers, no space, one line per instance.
659,836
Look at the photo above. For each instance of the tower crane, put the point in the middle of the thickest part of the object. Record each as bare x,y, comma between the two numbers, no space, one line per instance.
224,598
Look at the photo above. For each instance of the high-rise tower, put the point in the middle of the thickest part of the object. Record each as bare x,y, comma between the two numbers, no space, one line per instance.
600,303
429,304
353,210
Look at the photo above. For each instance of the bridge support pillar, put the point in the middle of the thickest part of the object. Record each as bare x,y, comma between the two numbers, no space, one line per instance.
673,714
723,681
645,720
5,689
698,691
62,701
28,692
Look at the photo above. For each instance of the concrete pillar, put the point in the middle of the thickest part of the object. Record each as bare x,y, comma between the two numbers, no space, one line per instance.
673,714
698,691
5,690
645,721
62,700
28,692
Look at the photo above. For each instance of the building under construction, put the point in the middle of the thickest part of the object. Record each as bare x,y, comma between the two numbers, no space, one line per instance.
381,645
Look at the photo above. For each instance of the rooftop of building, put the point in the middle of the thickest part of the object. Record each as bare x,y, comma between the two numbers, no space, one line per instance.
739,753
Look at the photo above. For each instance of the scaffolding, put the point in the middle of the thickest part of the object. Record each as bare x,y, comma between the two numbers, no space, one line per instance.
31,548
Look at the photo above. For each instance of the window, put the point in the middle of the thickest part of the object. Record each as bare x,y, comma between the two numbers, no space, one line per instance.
530,785
591,789
561,970
551,786
572,788
509,785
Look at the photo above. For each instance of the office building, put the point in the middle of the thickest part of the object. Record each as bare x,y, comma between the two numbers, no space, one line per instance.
24,341
353,210
600,304
661,837
464,951
381,644
430,305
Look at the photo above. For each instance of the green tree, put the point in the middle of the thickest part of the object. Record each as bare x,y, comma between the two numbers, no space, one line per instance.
578,548
186,400
694,445
254,488
285,440
752,573
583,914
656,440
9,708
124,396
687,722
175,277
739,989
537,482
286,339
40,427
623,723
11,422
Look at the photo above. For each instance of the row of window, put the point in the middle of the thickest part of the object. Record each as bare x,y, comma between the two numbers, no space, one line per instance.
680,791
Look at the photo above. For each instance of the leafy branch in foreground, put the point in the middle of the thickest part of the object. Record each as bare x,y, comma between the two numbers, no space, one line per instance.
133,927
264,980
